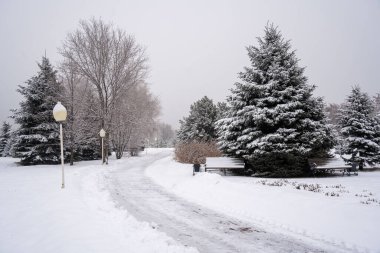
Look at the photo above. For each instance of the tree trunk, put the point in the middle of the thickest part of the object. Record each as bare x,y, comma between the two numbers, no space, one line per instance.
119,153
106,148
72,155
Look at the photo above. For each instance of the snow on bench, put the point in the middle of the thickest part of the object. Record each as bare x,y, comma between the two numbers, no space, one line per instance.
331,165
223,163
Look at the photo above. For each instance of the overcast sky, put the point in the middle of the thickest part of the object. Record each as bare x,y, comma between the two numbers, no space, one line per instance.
196,48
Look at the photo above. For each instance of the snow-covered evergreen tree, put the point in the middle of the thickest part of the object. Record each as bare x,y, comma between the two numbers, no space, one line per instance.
222,109
5,136
87,142
82,126
274,121
332,117
37,139
376,102
11,144
200,124
359,129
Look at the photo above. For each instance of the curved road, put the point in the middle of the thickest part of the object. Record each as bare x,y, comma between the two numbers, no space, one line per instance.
189,223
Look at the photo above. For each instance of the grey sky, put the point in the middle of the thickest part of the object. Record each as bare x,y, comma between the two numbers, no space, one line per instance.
196,48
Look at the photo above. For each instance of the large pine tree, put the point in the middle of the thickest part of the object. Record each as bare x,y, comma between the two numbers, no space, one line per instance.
5,136
359,129
274,121
200,124
37,139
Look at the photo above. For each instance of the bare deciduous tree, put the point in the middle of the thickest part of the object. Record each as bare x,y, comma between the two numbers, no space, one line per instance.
376,102
109,59
70,80
163,136
134,118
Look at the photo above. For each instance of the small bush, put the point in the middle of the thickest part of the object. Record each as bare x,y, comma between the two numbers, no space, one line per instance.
196,152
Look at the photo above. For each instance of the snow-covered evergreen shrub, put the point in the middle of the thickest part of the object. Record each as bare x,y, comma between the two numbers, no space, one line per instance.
37,140
87,147
200,124
195,152
5,138
88,151
360,129
274,121
82,141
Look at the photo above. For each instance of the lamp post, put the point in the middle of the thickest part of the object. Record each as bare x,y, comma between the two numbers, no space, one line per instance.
102,134
60,114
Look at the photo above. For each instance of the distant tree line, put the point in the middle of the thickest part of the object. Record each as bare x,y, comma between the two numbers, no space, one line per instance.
102,83
274,122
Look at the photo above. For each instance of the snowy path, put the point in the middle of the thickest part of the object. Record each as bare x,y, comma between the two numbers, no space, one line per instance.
188,223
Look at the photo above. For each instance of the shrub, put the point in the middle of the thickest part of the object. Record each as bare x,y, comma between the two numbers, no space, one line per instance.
279,165
196,152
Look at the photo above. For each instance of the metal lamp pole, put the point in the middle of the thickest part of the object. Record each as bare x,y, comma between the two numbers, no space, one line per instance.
102,134
62,160
60,114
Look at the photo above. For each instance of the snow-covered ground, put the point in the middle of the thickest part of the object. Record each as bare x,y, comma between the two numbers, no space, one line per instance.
36,215
340,211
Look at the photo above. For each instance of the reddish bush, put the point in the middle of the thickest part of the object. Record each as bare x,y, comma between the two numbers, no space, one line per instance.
196,152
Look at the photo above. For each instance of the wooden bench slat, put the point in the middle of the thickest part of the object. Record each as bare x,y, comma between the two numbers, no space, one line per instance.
223,163
226,167
331,165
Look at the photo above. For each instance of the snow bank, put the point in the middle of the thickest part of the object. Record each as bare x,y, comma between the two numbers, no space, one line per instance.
38,216
307,207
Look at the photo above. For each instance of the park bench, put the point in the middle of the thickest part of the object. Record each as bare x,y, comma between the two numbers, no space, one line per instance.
223,164
332,165
134,151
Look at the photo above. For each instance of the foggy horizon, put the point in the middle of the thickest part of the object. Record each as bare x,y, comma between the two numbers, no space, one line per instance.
197,48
